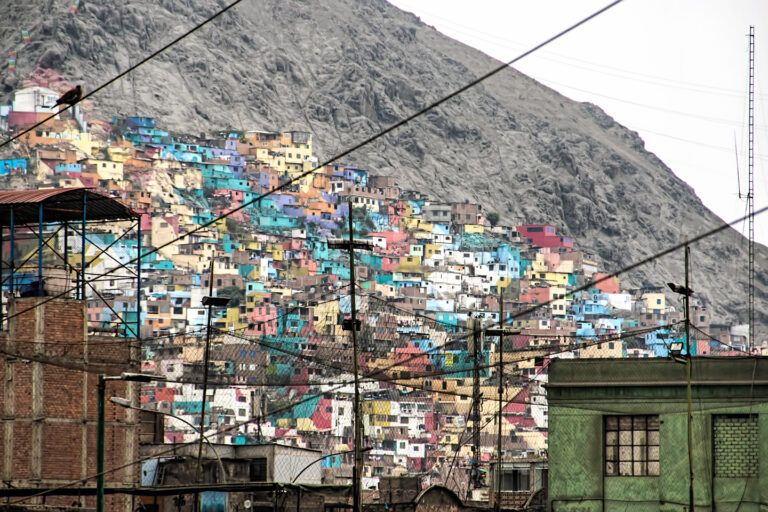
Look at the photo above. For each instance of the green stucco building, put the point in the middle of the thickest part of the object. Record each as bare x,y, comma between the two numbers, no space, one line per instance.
618,434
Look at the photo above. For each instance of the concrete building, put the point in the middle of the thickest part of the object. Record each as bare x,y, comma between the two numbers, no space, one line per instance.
618,435
523,483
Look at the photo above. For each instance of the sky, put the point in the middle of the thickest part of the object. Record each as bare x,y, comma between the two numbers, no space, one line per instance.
675,71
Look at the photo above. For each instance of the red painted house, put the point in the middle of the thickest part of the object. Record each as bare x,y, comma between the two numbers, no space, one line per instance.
542,235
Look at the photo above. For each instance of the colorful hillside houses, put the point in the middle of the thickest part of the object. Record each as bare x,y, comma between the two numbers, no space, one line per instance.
284,337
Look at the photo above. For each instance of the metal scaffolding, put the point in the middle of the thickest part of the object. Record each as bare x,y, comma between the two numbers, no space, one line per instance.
37,230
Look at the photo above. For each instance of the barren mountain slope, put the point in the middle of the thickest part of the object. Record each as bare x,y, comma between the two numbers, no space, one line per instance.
344,69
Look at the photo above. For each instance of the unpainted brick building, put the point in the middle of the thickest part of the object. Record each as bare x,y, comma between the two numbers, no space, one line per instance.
49,372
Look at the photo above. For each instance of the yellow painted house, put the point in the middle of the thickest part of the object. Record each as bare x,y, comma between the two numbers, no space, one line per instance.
106,169
119,153
325,316
431,249
602,350
410,264
233,320
654,302
411,223
473,228
378,412
550,278
305,425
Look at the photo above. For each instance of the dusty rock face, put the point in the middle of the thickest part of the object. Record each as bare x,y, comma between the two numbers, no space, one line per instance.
344,69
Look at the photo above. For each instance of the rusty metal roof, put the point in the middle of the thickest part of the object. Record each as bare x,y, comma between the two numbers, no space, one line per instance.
60,205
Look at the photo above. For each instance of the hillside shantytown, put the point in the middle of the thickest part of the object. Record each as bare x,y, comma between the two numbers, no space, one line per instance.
267,376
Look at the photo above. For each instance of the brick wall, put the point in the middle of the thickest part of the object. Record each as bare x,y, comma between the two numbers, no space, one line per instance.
49,402
735,439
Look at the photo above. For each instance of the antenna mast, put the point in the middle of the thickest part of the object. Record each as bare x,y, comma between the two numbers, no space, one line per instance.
751,193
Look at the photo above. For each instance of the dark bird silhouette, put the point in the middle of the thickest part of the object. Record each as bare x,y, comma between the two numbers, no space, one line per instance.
70,97
682,290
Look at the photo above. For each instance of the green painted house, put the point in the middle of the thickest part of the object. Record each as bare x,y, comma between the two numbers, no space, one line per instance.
618,434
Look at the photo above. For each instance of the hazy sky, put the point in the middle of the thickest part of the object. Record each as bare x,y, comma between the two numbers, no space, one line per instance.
675,71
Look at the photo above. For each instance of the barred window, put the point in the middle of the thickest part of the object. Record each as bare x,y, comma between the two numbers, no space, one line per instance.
632,445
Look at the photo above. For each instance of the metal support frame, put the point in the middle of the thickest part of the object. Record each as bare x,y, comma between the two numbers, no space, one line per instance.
40,251
37,234
66,247
13,251
751,192
81,290
95,291
101,297
138,280
2,262
49,241
102,251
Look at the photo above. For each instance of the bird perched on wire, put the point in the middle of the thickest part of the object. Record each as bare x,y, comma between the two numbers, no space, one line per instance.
70,97
682,290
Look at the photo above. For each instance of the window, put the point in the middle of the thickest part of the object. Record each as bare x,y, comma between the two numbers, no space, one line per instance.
258,470
632,445
516,480
735,441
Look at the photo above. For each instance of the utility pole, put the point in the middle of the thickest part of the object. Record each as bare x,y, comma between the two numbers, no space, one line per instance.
101,386
500,374
209,301
501,402
686,292
751,192
500,332
350,245
475,351
206,359
357,501
689,398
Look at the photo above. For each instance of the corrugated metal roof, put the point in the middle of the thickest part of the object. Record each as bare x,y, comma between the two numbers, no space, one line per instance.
60,205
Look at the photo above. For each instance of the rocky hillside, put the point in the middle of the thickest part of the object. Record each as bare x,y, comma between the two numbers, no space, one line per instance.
344,69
